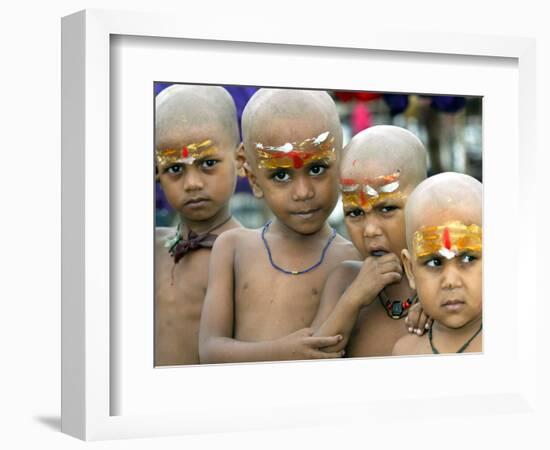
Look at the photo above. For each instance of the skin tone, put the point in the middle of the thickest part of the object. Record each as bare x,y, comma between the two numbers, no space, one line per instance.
350,304
248,313
200,194
450,290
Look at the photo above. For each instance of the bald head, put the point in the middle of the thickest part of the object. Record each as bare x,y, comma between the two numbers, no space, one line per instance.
384,150
277,116
443,198
181,109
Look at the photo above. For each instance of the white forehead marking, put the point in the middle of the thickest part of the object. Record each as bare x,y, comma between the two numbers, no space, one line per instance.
369,190
446,253
349,188
285,148
390,187
321,138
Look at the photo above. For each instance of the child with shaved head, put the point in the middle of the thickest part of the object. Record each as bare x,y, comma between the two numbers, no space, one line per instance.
443,262
196,139
364,300
264,286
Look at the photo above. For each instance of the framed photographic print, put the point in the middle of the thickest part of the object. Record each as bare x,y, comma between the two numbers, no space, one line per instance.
113,66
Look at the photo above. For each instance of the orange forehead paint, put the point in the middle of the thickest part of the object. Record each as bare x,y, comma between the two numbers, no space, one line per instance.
296,154
447,240
368,192
186,154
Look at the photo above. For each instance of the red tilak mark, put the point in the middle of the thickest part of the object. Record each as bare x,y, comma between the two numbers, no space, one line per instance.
297,161
347,181
353,163
446,239
184,152
362,197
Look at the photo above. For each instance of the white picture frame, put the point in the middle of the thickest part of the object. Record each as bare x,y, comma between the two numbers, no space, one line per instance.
90,388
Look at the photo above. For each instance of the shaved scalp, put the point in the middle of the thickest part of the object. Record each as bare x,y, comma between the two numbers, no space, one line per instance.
180,108
386,149
268,105
444,197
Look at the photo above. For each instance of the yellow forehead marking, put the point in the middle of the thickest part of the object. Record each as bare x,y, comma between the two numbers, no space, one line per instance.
447,240
296,154
367,193
186,154
367,203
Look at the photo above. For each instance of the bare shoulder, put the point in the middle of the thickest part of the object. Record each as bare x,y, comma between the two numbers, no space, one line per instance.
346,250
345,272
409,344
236,235
162,234
235,238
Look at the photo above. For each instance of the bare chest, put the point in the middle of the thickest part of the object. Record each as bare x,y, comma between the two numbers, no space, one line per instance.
375,333
270,303
182,285
179,295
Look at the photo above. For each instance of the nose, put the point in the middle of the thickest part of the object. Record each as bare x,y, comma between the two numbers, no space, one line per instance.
193,179
452,278
303,189
371,228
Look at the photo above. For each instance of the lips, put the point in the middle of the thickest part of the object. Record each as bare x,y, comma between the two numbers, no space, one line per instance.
196,202
306,213
377,251
453,305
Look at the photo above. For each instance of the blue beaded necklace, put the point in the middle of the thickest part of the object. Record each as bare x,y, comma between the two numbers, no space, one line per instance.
296,272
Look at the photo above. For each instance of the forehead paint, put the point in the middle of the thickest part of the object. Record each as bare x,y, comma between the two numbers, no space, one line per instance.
447,240
369,192
296,154
186,154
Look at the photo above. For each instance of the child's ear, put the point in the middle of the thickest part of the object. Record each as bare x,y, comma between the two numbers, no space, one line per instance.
241,160
407,265
252,179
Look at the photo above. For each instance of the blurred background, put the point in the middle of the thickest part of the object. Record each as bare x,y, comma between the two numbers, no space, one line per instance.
449,127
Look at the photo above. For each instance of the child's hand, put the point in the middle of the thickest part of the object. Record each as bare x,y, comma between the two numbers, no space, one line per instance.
417,321
376,273
303,345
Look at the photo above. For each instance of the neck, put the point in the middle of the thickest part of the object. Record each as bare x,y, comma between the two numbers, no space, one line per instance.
450,339
281,229
202,226
399,291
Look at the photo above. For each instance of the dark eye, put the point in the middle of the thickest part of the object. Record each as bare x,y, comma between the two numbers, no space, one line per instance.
388,208
174,169
433,262
355,213
208,163
281,175
467,259
317,170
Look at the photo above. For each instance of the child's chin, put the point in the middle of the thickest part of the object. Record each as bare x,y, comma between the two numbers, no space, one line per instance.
456,322
307,227
198,216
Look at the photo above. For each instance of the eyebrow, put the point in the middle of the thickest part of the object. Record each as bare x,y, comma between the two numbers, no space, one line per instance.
430,256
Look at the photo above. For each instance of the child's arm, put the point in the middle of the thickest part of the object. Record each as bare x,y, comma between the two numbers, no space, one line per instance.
216,342
344,296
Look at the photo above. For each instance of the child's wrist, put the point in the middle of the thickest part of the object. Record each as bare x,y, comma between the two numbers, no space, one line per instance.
276,350
368,297
361,297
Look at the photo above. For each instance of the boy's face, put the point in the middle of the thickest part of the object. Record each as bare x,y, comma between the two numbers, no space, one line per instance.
295,168
374,200
445,265
197,171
